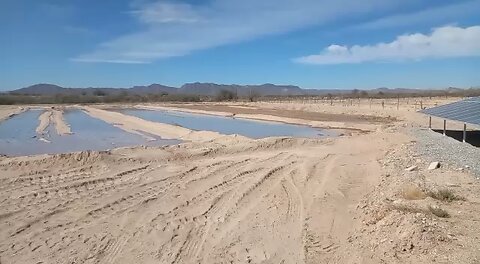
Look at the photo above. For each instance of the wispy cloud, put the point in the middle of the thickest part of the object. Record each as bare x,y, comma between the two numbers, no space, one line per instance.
175,28
443,42
434,16
164,12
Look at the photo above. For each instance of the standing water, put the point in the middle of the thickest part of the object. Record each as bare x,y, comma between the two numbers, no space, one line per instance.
18,136
226,125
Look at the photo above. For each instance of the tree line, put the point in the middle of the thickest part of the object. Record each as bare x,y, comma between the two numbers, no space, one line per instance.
99,96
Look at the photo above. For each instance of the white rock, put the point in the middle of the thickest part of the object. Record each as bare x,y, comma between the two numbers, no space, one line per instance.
411,168
434,165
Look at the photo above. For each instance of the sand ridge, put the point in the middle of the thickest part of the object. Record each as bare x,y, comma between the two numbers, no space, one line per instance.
44,120
246,113
55,117
166,131
61,126
7,112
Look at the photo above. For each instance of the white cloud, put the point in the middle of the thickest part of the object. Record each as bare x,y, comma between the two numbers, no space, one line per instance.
443,42
175,29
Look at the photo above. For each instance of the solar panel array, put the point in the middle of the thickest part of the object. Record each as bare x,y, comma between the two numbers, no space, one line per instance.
467,111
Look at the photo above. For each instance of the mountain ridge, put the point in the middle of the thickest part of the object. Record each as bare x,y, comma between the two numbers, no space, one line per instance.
212,89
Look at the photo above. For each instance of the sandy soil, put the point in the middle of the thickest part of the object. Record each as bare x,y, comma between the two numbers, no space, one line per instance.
345,124
138,125
9,111
54,116
290,114
204,202
61,126
44,122
230,199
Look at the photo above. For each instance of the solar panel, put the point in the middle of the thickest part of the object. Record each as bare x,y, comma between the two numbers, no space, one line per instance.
467,111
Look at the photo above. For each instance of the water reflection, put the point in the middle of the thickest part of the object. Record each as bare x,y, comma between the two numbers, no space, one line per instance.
226,125
18,137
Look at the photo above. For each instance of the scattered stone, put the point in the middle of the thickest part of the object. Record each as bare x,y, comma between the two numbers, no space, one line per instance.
434,165
411,168
435,147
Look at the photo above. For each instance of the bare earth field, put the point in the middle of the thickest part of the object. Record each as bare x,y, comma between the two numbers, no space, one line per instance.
230,199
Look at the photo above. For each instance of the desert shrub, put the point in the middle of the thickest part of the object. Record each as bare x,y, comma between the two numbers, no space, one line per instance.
253,96
413,192
4,100
181,98
414,210
225,95
407,208
10,99
438,212
445,195
99,92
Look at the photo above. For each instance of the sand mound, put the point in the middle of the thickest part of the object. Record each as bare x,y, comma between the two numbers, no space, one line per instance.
53,116
213,202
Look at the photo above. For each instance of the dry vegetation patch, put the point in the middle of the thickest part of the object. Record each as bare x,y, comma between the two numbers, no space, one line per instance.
437,211
445,195
407,208
412,209
413,192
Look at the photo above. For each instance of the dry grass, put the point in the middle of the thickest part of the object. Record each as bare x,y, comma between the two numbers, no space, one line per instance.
413,210
445,195
407,209
413,192
438,212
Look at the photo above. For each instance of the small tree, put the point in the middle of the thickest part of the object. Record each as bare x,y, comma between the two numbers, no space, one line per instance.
253,95
330,97
99,92
226,95
355,92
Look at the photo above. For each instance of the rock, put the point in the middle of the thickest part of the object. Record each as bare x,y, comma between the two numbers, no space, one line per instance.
434,165
411,168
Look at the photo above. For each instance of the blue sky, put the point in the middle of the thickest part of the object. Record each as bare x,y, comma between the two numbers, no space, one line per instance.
310,43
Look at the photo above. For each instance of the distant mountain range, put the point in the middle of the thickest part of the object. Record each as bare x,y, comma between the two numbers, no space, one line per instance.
208,89
52,89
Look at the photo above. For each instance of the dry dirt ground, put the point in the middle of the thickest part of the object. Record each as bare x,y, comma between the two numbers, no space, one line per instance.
7,111
236,200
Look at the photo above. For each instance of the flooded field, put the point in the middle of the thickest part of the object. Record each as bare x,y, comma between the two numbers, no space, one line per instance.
226,125
26,134
18,136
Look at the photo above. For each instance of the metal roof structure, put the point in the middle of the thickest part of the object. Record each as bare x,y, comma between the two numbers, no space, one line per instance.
467,111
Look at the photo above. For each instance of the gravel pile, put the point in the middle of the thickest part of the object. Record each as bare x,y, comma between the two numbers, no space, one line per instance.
448,151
